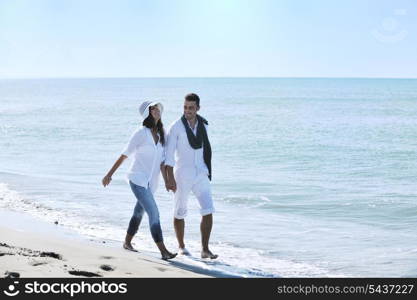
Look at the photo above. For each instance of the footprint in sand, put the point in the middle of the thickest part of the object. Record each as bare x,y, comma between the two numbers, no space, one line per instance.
106,268
9,274
161,269
38,263
84,273
50,254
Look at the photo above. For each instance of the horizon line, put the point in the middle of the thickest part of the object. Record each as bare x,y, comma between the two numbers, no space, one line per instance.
201,77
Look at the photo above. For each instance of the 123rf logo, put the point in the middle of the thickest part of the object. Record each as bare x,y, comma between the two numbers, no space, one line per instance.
11,289
70,289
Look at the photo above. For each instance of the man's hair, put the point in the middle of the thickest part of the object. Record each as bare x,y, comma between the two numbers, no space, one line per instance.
193,97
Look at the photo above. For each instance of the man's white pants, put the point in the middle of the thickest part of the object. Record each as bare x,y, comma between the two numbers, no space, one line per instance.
200,186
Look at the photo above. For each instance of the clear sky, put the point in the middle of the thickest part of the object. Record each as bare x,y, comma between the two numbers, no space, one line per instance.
210,38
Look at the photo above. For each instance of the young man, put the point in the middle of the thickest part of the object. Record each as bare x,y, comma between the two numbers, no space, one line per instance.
188,138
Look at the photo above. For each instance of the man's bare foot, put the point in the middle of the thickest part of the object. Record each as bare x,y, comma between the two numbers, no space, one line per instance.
168,255
184,251
208,254
129,247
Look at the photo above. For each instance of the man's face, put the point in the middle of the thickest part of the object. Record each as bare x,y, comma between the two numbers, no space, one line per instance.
190,109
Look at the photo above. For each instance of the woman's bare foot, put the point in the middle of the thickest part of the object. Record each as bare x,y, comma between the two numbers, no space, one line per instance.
128,246
128,243
164,252
208,254
168,255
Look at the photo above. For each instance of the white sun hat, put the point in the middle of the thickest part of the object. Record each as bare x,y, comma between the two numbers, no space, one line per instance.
144,108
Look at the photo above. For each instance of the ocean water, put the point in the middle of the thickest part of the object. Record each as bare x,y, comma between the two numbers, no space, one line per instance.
311,177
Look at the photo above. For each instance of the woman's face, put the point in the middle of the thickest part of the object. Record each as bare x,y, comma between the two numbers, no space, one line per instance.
155,112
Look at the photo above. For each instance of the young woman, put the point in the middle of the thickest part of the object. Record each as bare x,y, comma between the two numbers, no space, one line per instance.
146,148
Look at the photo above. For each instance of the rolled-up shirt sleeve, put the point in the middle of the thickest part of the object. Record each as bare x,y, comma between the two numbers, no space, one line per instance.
135,140
172,138
163,158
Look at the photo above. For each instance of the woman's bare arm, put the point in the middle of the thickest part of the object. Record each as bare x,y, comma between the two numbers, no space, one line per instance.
106,180
164,175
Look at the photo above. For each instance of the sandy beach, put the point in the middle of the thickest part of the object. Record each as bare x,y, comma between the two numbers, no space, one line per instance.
34,253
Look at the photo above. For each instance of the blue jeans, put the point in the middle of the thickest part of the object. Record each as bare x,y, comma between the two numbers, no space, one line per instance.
145,203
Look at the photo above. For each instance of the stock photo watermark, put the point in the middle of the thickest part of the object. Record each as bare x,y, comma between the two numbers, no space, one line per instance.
70,289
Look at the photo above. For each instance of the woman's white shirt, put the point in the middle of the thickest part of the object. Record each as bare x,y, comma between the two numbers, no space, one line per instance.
146,158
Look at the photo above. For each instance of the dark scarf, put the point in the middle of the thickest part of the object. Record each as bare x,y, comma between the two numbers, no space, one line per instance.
201,140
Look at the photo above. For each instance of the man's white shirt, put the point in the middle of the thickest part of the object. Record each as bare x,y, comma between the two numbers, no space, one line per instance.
187,161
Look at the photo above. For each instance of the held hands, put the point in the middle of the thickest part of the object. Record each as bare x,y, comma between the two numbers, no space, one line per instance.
170,184
106,180
169,178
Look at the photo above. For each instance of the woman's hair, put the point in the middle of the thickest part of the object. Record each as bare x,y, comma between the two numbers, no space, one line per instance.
149,122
